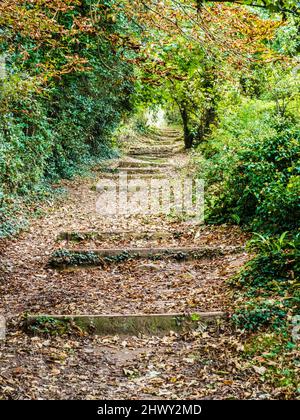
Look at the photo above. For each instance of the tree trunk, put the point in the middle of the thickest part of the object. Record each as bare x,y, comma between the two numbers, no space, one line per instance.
208,118
188,137
209,114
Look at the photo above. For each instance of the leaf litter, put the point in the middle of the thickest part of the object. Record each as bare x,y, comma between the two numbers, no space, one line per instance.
204,364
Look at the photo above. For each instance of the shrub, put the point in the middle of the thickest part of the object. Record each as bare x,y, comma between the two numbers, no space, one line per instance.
254,317
267,288
60,100
257,180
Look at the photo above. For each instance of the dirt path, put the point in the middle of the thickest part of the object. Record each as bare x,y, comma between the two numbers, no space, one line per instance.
192,364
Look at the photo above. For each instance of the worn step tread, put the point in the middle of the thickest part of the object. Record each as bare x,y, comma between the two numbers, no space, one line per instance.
153,149
145,251
143,164
152,155
2,328
138,170
133,178
91,235
132,324
147,152
63,258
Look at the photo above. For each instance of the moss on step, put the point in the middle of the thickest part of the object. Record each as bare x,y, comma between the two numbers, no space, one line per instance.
141,164
94,235
133,177
132,324
49,325
64,258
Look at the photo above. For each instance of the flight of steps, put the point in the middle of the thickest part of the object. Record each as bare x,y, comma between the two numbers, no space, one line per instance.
84,250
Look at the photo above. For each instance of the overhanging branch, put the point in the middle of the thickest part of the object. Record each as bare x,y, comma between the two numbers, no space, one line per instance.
280,6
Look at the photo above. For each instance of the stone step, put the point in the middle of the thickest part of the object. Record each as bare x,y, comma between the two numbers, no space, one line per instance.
154,151
162,141
138,170
2,328
63,258
166,133
150,154
156,141
157,160
117,235
134,180
142,164
158,148
131,324
167,137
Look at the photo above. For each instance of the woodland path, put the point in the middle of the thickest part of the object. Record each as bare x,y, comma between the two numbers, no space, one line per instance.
203,363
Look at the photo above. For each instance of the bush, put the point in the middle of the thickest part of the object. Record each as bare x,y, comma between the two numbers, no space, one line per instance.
254,316
42,142
267,288
256,176
60,100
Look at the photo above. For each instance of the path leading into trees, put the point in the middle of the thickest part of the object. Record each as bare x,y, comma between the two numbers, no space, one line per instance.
59,267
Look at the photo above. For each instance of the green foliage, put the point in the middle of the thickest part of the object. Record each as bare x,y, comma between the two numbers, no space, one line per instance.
269,283
277,356
275,270
268,244
55,127
255,167
48,326
277,6
251,163
254,316
65,258
15,210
